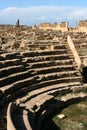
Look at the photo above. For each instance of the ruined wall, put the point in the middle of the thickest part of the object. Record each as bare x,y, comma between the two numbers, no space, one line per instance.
82,26
63,26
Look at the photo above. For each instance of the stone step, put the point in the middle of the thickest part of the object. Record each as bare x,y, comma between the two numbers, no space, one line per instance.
53,76
15,77
19,84
44,41
46,45
73,96
11,62
38,101
51,58
38,53
52,69
2,58
57,47
57,81
60,74
50,63
2,51
43,53
10,70
11,55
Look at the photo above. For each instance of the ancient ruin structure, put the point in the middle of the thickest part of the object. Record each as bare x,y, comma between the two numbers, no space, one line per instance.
62,27
17,23
36,65
82,25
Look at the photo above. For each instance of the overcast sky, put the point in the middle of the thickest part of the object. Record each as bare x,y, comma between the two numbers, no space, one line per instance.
31,12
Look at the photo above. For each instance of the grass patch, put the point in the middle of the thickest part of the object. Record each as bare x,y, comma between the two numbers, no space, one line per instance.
76,118
82,51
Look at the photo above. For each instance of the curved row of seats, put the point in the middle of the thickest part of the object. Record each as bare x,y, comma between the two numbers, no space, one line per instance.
32,79
29,115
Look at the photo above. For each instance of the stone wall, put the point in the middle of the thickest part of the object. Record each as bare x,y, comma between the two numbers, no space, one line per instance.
75,54
82,26
63,26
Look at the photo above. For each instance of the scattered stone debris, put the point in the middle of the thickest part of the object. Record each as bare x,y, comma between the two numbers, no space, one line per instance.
61,116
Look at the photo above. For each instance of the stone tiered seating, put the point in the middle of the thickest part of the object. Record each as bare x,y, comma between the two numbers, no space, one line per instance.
32,79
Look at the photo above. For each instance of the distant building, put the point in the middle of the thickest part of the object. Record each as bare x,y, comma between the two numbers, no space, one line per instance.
17,23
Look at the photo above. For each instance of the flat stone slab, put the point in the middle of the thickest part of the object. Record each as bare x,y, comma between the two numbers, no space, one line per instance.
61,116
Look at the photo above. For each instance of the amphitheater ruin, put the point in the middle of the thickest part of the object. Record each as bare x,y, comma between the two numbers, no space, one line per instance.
36,65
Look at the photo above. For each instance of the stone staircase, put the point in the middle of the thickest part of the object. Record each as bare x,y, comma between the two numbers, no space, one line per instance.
33,78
